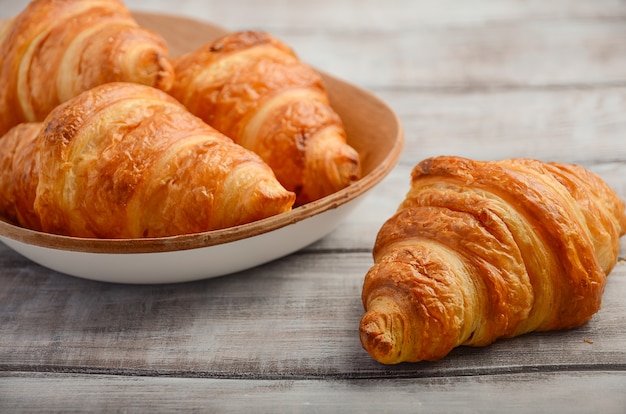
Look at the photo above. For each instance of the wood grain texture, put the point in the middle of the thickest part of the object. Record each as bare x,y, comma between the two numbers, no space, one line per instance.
294,318
583,125
358,14
485,79
536,393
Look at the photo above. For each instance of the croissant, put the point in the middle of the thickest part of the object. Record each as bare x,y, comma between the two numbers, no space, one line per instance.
253,88
484,250
55,49
125,160
18,174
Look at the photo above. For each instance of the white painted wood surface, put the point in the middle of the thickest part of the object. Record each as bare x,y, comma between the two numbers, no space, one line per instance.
485,79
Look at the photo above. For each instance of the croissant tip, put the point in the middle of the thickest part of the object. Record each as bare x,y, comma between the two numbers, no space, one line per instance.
377,340
349,167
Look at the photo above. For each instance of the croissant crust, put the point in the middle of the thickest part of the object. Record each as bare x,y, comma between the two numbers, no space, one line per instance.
126,160
55,49
19,172
483,250
253,88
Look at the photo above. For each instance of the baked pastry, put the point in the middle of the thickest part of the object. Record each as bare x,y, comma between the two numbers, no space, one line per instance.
253,88
55,49
125,160
484,250
19,174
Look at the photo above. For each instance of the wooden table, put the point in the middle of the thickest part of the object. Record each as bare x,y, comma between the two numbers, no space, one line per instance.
484,79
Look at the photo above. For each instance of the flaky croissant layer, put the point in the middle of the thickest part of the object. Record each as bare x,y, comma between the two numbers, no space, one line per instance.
483,250
19,174
253,88
55,49
125,160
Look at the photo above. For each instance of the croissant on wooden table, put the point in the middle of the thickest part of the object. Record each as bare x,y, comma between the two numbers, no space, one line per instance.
55,49
124,160
484,250
253,88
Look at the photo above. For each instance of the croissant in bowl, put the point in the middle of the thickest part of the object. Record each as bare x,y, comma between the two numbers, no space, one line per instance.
253,88
124,160
484,250
55,49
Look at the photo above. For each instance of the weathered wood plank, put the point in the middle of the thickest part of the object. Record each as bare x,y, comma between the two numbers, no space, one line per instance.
297,317
350,15
573,125
493,55
370,15
542,392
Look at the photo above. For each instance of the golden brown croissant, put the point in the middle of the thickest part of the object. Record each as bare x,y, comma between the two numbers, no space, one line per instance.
18,174
254,89
483,250
55,49
124,160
